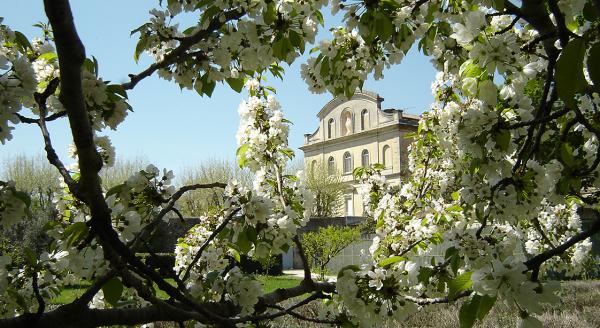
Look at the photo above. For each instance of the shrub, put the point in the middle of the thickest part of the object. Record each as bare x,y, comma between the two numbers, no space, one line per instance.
323,245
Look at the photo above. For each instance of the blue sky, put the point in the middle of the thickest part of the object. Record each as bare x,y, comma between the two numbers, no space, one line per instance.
177,129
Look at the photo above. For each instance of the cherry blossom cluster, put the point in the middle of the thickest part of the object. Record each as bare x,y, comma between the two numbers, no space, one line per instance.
17,81
252,36
13,204
262,133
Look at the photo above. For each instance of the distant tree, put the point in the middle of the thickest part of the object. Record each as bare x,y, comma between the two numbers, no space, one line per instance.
327,189
204,201
34,176
323,245
121,170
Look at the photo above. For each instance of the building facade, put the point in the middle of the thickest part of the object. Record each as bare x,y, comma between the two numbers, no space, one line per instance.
358,132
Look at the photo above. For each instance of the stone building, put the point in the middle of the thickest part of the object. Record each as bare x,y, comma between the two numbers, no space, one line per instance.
358,132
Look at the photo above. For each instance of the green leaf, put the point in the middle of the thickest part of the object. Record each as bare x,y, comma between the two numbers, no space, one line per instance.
209,87
243,242
211,277
288,152
324,67
459,284
390,260
468,311
569,72
115,190
140,47
566,154
89,65
319,16
95,61
455,195
281,47
75,232
470,69
383,26
485,305
454,208
116,88
237,84
22,41
270,14
502,139
30,257
296,40
112,291
49,56
241,154
453,257
593,65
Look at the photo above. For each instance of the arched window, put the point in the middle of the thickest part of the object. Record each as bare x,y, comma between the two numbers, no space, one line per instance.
363,119
330,129
387,156
364,158
347,162
331,165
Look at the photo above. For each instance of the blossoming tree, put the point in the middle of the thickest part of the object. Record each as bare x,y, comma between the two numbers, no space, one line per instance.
501,166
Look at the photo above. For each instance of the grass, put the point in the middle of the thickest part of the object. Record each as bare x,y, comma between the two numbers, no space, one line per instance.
578,308
270,283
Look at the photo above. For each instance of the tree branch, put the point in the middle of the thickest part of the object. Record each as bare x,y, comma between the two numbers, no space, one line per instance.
535,262
185,45
437,300
284,311
38,297
207,242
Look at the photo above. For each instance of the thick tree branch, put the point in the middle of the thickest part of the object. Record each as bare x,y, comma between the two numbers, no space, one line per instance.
71,55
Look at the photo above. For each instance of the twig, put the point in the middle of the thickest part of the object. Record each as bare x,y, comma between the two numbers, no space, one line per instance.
52,117
149,228
510,26
315,296
544,119
207,242
437,300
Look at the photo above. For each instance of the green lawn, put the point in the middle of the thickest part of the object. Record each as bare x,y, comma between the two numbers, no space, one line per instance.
270,283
